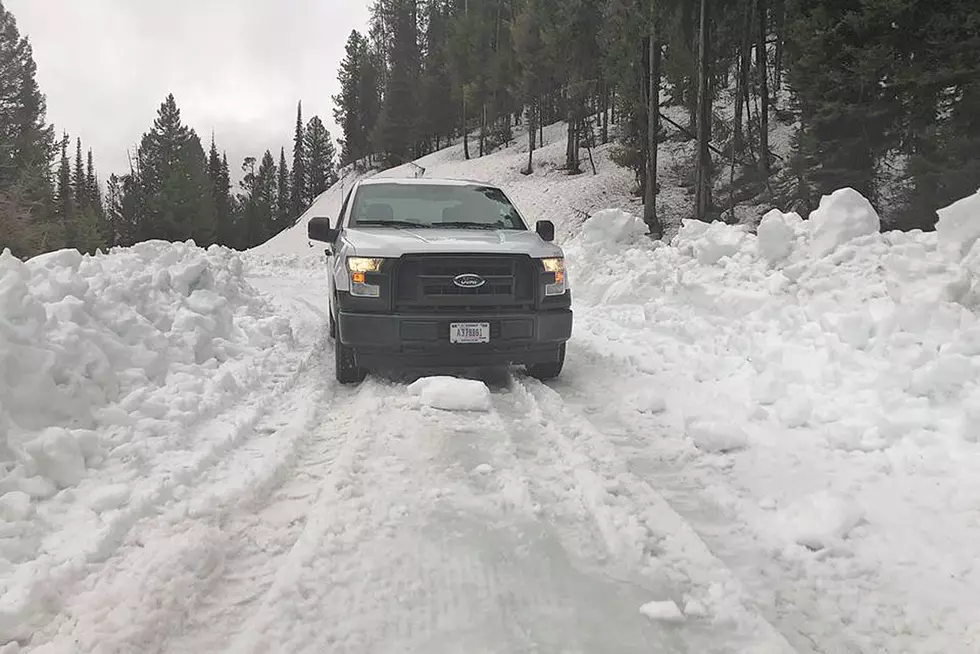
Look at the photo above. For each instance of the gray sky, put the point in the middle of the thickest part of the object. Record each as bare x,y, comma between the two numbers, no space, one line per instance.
237,67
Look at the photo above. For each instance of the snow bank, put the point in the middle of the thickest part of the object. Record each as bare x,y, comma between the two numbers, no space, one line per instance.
809,317
85,341
959,225
452,394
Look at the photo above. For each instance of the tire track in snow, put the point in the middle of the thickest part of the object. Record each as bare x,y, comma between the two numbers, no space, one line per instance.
793,596
643,533
404,549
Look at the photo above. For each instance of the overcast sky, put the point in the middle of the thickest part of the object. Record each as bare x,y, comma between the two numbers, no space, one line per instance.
237,67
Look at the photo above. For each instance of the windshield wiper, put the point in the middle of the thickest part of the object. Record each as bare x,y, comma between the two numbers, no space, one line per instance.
465,225
388,223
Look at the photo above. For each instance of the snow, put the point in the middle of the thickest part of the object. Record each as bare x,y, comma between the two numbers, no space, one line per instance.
958,226
820,520
716,435
777,430
842,216
778,234
662,611
451,393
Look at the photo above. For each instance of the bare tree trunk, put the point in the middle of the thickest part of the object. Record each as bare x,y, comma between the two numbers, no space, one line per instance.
703,175
742,77
762,66
571,149
483,129
780,29
466,140
605,114
653,132
531,131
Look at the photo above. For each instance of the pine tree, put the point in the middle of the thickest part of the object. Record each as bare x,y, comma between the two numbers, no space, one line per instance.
29,223
397,133
299,178
220,187
531,58
113,233
437,109
282,194
265,198
174,188
250,227
92,190
65,194
349,102
78,180
320,153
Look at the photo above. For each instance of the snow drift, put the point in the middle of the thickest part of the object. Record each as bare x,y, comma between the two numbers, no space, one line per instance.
832,319
90,341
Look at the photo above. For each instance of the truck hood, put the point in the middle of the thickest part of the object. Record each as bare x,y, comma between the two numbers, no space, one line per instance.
387,242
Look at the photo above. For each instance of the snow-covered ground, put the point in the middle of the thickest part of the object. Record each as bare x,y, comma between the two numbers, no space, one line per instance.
760,443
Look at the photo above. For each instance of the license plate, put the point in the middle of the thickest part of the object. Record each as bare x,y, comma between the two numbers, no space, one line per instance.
469,332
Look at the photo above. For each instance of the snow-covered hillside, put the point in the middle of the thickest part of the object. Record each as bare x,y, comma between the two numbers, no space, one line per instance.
761,443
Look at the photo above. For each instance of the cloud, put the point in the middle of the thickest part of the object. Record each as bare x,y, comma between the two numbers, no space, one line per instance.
237,68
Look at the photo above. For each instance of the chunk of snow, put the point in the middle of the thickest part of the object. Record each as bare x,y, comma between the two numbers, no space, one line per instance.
710,242
666,611
645,402
716,435
795,409
695,609
820,520
57,456
15,505
483,469
106,498
842,216
776,235
958,227
612,226
452,394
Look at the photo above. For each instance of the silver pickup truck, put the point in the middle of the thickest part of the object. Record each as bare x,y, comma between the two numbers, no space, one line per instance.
429,273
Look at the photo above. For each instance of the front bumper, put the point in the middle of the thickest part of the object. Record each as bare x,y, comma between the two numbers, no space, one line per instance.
410,340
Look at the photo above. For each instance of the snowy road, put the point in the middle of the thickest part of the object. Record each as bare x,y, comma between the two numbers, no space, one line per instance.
358,520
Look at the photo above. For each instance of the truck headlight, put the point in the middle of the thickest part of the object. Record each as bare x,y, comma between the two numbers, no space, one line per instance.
364,264
555,266
359,267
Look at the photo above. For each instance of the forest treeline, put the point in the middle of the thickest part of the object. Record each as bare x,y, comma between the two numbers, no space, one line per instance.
880,95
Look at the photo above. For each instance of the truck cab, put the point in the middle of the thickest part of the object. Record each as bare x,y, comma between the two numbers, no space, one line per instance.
442,274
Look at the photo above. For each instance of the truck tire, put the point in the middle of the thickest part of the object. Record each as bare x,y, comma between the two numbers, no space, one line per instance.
331,324
346,366
550,370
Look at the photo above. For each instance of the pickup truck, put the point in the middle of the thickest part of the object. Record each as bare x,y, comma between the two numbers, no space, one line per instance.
439,273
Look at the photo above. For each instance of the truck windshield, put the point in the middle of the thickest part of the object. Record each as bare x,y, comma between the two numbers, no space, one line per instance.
434,206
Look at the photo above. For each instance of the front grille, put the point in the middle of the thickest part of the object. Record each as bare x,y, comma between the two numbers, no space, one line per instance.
425,282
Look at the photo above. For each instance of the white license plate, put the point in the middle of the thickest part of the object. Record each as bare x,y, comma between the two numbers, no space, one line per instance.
469,332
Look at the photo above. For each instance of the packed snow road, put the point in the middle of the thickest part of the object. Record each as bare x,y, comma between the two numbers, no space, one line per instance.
365,520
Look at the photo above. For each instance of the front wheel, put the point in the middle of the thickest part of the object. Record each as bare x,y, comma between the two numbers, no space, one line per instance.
551,369
346,366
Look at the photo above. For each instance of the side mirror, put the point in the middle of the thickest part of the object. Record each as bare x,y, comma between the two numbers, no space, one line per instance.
319,230
546,230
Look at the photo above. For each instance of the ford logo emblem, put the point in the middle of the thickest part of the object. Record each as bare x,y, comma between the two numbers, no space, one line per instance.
469,280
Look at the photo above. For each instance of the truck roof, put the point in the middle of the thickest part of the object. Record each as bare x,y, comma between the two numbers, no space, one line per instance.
427,181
